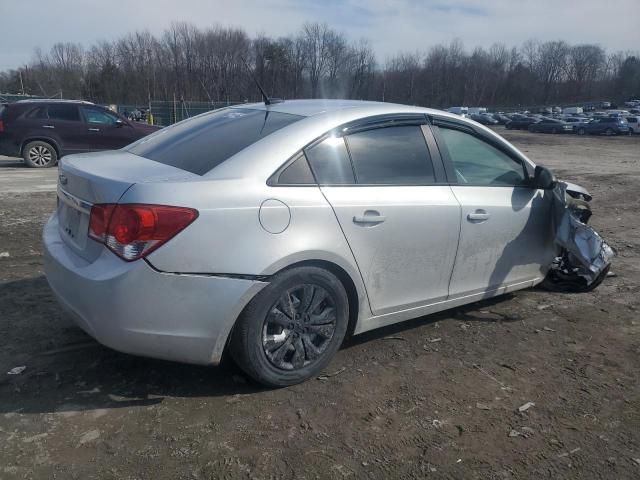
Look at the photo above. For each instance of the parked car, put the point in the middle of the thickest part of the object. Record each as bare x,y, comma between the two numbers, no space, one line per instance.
483,118
43,131
501,118
521,122
633,122
605,125
550,125
271,230
577,122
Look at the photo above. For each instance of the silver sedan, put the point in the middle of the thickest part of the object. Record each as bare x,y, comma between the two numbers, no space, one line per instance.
272,231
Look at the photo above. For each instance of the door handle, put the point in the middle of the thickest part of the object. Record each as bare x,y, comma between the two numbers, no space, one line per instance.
478,216
94,129
48,126
370,217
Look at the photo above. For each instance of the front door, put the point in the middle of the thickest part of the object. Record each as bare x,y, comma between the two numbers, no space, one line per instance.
506,239
103,131
400,222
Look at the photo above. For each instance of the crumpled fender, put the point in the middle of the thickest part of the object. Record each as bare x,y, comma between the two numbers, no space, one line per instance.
578,189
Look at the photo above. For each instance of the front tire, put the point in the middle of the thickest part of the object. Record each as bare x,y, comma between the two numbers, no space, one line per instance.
581,131
292,328
39,154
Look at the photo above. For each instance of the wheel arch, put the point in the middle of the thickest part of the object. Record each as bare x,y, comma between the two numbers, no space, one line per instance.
39,138
358,301
347,283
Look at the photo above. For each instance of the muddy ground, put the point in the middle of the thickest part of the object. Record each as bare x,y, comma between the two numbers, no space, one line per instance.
435,397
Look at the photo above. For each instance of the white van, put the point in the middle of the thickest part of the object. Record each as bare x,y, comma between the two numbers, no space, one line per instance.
634,124
572,110
458,110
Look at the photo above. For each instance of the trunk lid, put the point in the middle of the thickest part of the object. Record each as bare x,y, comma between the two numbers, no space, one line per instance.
100,177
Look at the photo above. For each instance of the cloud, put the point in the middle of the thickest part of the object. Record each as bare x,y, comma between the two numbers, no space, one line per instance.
400,25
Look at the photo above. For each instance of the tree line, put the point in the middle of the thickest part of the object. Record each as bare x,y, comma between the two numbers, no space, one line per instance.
190,63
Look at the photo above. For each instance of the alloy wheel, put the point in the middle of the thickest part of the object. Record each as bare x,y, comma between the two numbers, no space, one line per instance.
40,155
299,327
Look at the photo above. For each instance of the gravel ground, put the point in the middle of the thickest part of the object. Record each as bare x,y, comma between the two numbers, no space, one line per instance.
436,397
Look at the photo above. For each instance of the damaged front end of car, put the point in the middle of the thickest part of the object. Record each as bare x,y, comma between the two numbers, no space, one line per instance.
584,257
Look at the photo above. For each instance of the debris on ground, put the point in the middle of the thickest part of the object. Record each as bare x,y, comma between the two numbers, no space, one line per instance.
483,406
525,432
326,376
4,255
526,406
566,454
17,370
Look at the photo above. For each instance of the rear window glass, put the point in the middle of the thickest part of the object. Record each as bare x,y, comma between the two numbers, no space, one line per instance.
64,112
200,144
391,156
330,162
40,112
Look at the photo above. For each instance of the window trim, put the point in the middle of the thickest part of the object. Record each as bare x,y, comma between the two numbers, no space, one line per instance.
448,163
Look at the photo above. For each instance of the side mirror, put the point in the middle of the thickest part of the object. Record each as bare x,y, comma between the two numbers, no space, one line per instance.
120,123
543,179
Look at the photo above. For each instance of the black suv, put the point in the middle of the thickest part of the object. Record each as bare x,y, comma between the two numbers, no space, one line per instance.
42,131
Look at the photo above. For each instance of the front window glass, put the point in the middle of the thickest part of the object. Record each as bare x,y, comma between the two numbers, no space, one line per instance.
478,163
97,115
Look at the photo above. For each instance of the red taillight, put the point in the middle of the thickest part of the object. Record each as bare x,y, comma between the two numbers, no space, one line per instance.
99,221
132,231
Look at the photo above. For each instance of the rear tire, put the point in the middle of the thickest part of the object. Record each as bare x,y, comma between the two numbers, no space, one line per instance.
39,154
581,131
609,132
292,328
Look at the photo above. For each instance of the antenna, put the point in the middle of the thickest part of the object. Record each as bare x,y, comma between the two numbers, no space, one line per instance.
267,100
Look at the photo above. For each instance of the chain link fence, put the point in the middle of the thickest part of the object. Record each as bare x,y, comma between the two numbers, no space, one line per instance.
165,113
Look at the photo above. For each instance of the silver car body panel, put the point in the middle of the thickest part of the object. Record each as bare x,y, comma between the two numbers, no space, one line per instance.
185,297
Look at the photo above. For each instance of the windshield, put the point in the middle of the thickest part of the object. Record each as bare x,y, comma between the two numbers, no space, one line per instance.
202,143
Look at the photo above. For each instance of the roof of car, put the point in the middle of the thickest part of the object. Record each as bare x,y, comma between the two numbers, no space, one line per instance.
309,108
53,100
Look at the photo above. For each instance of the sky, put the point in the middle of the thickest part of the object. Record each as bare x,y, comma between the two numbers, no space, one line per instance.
392,26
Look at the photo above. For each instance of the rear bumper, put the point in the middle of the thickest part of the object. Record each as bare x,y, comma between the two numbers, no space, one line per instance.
135,309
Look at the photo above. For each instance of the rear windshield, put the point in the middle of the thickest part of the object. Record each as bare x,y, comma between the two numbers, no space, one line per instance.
200,144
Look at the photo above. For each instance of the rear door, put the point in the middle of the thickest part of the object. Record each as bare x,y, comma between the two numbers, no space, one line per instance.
103,131
63,121
399,216
505,233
